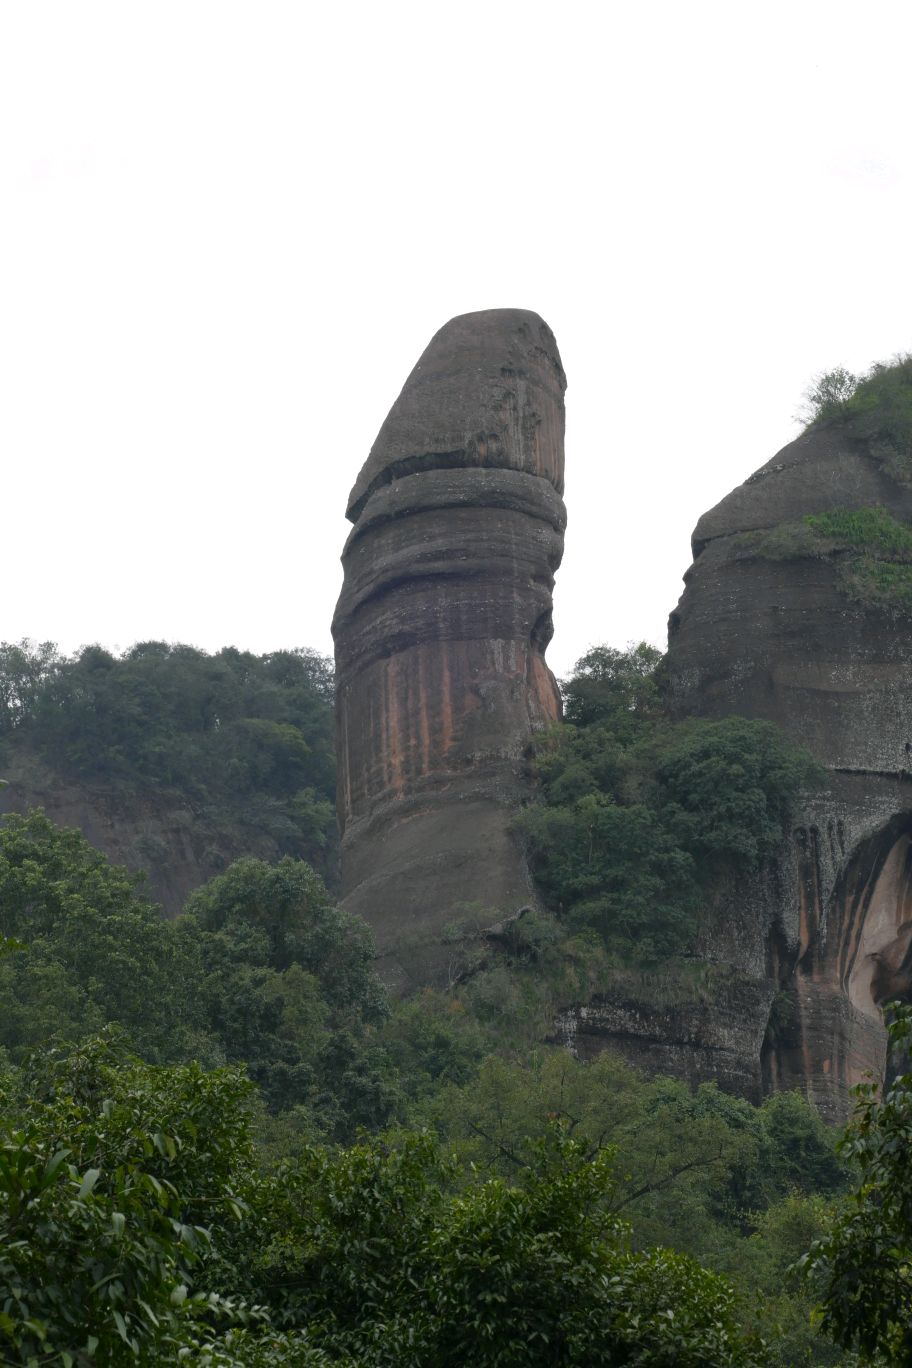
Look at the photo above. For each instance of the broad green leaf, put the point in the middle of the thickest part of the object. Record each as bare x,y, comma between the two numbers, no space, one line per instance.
90,1178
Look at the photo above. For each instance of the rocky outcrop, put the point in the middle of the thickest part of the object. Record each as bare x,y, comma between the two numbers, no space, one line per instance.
441,630
698,1020
767,627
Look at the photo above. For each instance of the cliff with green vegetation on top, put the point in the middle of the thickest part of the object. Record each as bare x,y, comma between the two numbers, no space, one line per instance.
796,611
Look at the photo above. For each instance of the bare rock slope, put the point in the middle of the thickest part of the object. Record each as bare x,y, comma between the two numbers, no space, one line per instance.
441,630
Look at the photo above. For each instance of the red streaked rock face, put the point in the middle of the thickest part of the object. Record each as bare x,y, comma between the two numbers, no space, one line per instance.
441,630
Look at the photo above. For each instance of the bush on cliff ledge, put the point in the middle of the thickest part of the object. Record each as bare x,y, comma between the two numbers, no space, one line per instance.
875,406
869,549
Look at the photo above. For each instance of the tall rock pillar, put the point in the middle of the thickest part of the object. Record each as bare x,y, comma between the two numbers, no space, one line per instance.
441,629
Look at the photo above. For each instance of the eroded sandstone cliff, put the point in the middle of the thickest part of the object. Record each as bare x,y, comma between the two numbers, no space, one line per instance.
441,630
772,623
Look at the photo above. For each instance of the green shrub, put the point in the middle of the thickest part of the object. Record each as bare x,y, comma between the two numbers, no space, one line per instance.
827,396
615,869
882,576
788,541
879,583
876,406
726,789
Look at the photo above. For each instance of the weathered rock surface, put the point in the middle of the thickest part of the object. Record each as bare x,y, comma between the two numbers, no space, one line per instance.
704,1027
827,933
441,630
152,831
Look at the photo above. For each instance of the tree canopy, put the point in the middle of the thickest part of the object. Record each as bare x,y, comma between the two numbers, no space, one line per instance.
639,815
246,740
860,1268
136,1228
262,970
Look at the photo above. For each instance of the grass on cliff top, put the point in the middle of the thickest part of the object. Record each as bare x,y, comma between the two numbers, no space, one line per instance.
875,406
881,576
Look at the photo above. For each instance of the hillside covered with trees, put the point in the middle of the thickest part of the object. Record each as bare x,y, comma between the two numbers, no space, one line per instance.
227,754
462,1117
224,1143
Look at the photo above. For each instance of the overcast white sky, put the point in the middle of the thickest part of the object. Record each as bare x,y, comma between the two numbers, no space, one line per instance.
227,232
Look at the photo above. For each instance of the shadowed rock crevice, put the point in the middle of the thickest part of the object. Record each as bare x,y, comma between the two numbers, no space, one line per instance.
441,629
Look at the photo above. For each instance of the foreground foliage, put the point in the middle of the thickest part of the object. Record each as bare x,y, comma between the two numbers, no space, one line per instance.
862,1266
375,1247
262,969
390,1251
130,1205
112,1176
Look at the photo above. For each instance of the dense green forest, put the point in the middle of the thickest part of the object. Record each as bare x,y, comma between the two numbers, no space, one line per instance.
223,1142
245,741
640,816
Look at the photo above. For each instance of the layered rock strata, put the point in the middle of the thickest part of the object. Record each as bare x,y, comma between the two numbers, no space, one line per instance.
698,1020
441,630
767,627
